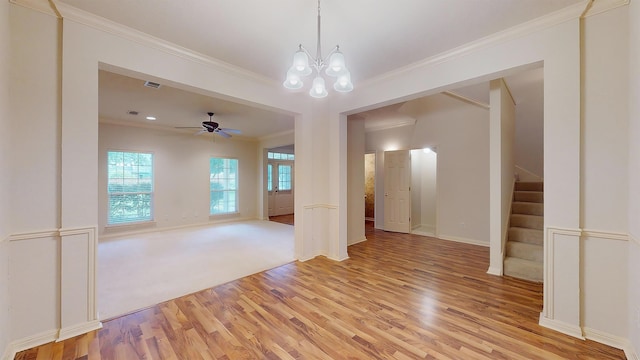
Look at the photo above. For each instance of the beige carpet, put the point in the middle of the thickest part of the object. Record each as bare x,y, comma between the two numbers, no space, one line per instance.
138,271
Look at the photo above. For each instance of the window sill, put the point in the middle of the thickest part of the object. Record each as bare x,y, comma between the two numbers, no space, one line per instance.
139,224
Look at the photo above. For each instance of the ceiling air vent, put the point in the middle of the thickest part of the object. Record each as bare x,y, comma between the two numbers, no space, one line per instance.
151,84
132,112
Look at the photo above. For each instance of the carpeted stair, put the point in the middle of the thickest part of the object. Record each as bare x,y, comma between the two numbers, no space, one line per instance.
524,242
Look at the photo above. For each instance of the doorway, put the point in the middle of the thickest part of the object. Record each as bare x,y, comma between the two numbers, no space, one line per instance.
369,186
280,184
420,211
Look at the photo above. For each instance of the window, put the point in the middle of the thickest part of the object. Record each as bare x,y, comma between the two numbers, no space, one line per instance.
129,187
269,177
223,186
279,156
284,177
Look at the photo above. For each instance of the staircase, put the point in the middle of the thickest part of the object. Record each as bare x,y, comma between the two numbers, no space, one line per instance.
524,258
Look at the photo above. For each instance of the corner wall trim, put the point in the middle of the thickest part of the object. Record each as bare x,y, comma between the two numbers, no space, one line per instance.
494,271
79,329
548,276
29,342
9,353
560,326
608,339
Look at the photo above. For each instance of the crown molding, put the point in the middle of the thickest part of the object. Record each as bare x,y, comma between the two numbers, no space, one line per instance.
69,12
386,126
600,6
41,6
275,135
544,22
468,100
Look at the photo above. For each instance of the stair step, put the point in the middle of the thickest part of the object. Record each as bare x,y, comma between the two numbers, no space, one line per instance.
523,269
527,221
527,208
525,235
528,196
529,186
525,251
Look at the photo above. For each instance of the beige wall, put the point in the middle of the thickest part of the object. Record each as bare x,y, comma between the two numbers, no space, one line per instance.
181,174
501,163
633,269
5,181
463,171
35,186
604,172
355,178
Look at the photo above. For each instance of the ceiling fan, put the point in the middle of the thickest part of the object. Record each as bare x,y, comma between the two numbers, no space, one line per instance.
212,127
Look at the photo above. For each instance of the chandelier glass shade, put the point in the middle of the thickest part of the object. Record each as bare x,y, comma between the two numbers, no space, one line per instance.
333,65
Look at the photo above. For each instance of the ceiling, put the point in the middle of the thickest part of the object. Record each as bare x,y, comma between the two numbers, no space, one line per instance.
261,37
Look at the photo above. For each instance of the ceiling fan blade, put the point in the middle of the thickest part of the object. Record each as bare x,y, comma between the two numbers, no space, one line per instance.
231,131
201,131
188,127
222,133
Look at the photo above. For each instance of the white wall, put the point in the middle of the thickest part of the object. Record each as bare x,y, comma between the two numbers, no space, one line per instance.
529,127
463,171
423,190
633,269
5,168
355,178
604,172
416,188
429,190
181,174
35,183
501,163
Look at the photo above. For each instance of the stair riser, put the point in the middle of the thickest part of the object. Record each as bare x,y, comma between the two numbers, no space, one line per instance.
525,251
527,221
528,196
530,236
526,270
527,208
529,186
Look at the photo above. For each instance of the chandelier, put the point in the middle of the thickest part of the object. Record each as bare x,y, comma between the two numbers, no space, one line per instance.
334,64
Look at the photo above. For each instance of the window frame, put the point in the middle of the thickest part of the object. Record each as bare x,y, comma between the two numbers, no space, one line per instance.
224,191
151,207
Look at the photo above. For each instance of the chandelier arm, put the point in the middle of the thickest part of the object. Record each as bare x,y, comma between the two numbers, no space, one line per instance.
333,51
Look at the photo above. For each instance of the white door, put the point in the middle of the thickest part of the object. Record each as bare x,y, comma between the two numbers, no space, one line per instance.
397,191
280,175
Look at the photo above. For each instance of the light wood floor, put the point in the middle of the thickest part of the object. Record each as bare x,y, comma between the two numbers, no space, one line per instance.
284,219
397,297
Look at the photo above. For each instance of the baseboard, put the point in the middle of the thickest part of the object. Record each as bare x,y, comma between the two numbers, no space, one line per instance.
631,353
9,353
30,342
114,234
358,241
79,329
560,326
463,240
611,340
495,271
